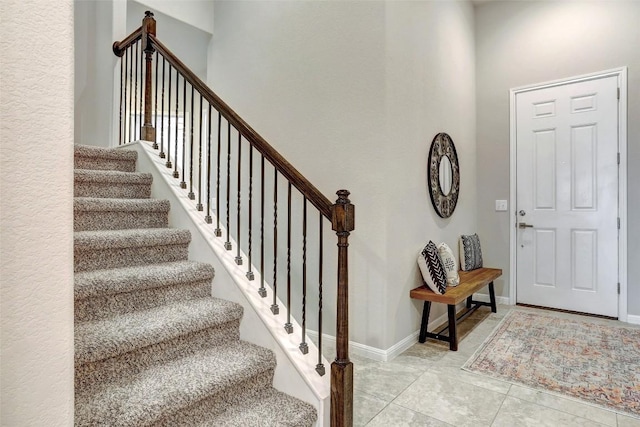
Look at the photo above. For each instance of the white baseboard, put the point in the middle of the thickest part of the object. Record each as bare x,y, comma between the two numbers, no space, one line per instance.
633,319
367,351
398,348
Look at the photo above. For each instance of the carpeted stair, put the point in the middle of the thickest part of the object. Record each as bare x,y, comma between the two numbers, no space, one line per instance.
152,346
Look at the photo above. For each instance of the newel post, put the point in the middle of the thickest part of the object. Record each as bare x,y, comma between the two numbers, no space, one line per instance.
342,221
147,130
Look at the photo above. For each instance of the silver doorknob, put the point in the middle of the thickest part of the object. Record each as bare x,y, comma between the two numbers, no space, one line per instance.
524,225
522,213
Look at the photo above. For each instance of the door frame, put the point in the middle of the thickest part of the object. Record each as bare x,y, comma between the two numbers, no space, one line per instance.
621,74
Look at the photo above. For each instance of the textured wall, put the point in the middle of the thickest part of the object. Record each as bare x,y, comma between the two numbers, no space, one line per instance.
522,43
352,93
36,187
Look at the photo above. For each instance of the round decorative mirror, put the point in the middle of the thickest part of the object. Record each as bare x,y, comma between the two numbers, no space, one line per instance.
444,175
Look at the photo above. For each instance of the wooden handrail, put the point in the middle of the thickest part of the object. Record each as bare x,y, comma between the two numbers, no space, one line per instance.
120,47
322,203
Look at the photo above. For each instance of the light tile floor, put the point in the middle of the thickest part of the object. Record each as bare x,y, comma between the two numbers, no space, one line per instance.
425,386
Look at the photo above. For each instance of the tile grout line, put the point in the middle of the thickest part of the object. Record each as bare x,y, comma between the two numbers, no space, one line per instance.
501,404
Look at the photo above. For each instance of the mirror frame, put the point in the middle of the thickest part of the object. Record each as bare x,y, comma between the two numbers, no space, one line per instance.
441,146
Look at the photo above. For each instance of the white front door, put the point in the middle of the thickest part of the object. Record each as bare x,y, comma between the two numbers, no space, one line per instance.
567,196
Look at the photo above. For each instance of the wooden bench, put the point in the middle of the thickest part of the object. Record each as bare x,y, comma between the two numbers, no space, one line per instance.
470,282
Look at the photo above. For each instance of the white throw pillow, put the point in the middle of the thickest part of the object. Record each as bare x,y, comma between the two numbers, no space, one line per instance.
449,263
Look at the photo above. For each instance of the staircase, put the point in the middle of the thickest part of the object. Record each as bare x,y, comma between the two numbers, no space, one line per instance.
152,346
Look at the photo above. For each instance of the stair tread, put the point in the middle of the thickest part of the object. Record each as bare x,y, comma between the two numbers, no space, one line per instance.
110,239
111,176
165,388
99,339
270,407
99,204
118,280
104,153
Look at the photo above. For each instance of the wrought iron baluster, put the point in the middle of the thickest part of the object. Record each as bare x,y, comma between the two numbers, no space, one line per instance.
199,205
304,348
127,118
155,99
218,231
183,183
208,218
250,275
168,164
121,89
320,366
141,111
274,306
227,244
135,102
288,326
176,174
162,111
238,257
192,196
262,291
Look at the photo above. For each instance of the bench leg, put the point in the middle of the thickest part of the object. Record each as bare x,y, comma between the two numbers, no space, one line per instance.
492,297
469,300
425,321
453,330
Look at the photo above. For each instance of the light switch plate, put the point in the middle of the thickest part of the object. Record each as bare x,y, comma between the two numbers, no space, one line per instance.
501,205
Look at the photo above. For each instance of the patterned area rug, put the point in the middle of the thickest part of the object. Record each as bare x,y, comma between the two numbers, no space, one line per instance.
583,359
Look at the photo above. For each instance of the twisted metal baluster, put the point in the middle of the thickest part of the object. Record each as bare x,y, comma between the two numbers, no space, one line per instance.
127,117
208,218
320,366
238,257
199,205
141,113
274,306
262,291
176,174
168,164
250,274
162,112
135,102
288,326
155,102
191,195
183,184
227,244
304,348
121,88
218,231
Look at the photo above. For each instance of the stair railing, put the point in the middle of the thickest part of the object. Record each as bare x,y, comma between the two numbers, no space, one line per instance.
168,111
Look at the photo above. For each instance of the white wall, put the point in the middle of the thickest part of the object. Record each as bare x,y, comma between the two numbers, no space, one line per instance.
352,93
36,186
98,23
94,67
188,42
197,13
430,88
521,43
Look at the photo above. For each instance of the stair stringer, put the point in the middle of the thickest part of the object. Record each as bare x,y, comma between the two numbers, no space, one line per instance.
295,372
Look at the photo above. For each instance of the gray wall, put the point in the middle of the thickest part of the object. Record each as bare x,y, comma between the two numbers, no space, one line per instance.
352,93
521,43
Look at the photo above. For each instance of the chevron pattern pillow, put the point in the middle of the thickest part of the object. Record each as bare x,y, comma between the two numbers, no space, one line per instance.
470,252
432,270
